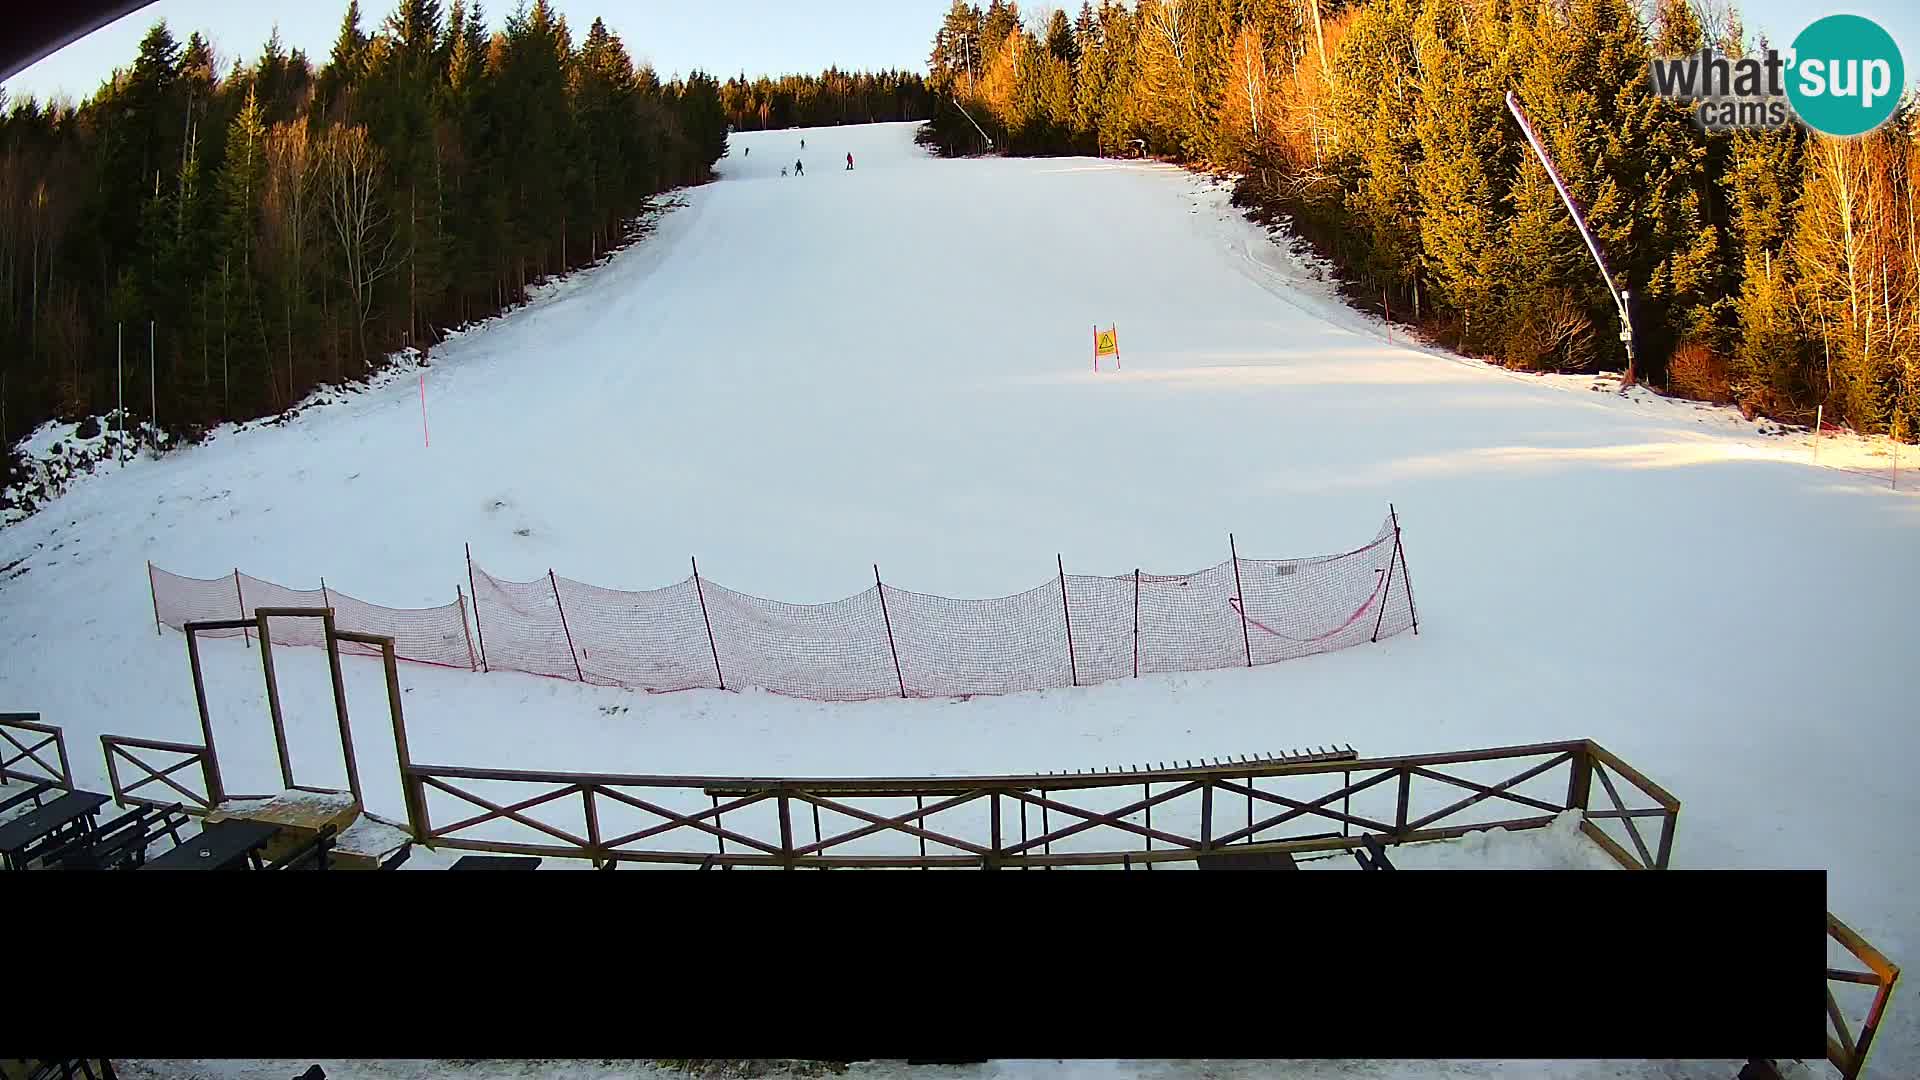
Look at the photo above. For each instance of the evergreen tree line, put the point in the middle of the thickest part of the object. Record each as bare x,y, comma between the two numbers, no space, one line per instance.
284,225
832,97
1776,269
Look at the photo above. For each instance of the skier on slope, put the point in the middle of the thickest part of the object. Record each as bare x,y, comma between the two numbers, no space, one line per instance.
849,162
803,144
799,169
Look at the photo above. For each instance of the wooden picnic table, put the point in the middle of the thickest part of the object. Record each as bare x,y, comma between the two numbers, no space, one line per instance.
233,844
68,816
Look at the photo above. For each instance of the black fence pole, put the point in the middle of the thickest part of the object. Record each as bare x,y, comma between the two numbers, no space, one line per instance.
1246,642
1136,622
715,649
881,591
475,589
561,608
1073,666
1392,558
1406,576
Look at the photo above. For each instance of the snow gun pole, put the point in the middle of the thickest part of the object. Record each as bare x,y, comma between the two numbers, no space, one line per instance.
976,124
1579,222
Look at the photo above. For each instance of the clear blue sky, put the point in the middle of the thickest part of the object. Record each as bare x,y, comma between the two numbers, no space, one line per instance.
720,36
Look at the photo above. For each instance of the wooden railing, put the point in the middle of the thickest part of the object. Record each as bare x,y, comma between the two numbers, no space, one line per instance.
23,751
1846,1048
119,748
750,821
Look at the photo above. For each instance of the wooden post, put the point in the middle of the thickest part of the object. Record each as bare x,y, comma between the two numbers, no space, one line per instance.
993,858
715,649
340,706
881,591
1206,814
592,815
1245,641
412,792
1406,792
273,701
786,831
1073,666
216,789
154,592
243,605
476,609
1819,413
571,651
461,599
1136,622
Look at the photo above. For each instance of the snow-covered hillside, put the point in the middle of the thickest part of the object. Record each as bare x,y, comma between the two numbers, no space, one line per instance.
795,378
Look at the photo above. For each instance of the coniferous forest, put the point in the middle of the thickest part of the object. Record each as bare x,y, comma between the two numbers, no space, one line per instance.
1775,269
285,222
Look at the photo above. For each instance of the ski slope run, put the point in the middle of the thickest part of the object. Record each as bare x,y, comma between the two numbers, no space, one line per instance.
795,378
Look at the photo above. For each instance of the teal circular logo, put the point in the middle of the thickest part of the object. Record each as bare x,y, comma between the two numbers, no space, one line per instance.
1846,76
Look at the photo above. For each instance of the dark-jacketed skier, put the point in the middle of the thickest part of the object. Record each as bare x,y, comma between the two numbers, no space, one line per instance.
799,169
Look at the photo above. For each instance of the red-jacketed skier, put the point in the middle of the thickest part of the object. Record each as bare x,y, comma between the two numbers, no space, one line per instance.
849,162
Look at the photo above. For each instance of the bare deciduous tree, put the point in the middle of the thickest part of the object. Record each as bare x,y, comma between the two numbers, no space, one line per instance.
362,226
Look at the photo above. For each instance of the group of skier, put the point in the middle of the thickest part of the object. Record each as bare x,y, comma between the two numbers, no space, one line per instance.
799,167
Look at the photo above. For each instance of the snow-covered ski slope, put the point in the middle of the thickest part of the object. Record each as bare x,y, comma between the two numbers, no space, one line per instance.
795,378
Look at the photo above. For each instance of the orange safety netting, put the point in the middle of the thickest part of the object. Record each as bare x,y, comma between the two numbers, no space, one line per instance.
1076,629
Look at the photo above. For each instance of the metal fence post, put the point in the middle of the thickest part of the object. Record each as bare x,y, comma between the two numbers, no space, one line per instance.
1136,622
241,598
476,609
1246,642
881,591
154,592
558,606
1073,665
715,649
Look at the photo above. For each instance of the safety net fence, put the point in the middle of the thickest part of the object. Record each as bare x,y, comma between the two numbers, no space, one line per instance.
1073,630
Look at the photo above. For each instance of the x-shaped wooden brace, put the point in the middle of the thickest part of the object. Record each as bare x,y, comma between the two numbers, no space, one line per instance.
1480,792
1626,819
161,775
27,752
693,821
510,812
894,824
1094,820
1317,807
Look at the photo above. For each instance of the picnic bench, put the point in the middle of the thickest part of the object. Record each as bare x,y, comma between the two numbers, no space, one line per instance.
234,844
120,844
35,793
33,834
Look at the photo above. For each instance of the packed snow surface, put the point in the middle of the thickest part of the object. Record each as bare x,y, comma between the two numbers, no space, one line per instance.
796,378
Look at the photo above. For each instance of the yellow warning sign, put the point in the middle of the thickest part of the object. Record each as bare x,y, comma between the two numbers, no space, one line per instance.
1106,343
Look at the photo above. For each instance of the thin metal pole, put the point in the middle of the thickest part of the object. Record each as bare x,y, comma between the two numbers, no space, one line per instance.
243,605
1406,576
571,651
155,594
881,591
461,599
1136,622
715,649
476,608
1246,642
1073,666
1392,558
153,392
